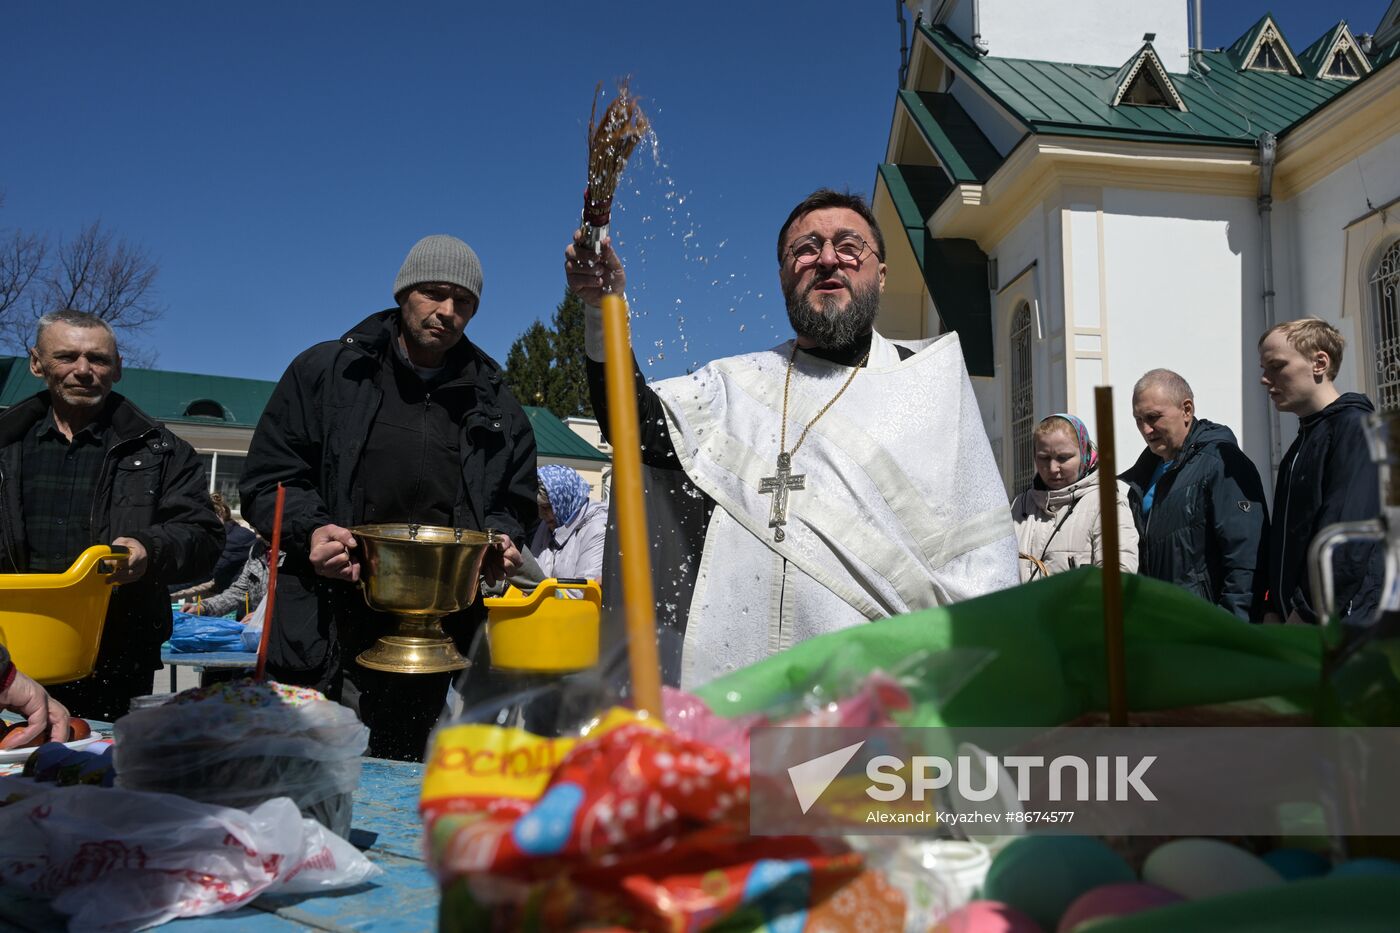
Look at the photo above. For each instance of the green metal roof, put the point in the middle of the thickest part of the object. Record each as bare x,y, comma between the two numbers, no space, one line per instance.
1227,107
553,438
958,142
955,270
166,396
1313,59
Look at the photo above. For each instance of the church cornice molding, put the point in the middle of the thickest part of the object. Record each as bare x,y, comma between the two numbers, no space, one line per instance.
1039,165
1350,124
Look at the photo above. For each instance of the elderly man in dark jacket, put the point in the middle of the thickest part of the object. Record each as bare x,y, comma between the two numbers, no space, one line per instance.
1204,518
81,465
400,420
1327,475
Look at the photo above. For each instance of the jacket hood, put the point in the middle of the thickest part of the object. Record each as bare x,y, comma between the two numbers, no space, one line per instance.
1348,401
1203,434
1052,500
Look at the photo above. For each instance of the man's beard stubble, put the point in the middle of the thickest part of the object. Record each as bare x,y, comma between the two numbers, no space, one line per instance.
829,328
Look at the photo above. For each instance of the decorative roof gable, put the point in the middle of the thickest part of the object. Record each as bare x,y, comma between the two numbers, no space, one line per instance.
1143,82
1335,55
1263,48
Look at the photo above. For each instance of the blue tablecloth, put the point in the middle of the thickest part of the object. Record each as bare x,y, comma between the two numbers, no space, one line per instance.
404,898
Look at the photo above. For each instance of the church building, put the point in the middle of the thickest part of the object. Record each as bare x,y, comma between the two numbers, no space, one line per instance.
1086,194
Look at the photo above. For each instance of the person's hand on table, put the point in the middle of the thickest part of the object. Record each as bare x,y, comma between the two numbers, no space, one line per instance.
330,553
135,567
46,715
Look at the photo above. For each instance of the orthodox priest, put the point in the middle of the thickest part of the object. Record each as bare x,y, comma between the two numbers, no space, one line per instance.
838,478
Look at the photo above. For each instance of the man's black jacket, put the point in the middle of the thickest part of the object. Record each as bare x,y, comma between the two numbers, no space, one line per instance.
1327,476
152,488
1208,525
310,438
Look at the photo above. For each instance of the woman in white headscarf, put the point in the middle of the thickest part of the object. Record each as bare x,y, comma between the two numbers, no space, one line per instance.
1057,519
569,541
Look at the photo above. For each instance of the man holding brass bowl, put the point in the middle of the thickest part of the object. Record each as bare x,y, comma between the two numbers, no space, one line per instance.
400,449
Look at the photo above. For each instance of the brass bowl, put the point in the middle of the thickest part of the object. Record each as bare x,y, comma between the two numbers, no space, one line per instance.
419,573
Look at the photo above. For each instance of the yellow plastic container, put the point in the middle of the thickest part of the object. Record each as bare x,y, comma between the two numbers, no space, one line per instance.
52,622
544,632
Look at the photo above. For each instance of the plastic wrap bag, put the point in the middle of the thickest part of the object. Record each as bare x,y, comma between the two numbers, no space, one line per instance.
624,821
124,860
194,633
239,743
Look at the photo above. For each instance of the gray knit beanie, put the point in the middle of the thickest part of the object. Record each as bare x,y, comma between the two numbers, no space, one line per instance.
440,258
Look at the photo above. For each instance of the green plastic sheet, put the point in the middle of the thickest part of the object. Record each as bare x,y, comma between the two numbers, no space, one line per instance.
1034,656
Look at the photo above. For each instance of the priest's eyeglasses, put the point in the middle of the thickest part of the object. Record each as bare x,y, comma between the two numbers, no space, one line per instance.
849,249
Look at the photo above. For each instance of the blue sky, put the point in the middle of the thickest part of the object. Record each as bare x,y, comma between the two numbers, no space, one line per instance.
279,159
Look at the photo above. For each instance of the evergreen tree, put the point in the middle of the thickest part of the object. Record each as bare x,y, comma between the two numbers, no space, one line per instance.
570,395
546,365
528,365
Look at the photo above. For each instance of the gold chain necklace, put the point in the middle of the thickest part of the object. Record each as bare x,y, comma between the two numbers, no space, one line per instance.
785,480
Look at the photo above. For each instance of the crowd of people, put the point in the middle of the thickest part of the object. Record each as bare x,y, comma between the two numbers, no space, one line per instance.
839,478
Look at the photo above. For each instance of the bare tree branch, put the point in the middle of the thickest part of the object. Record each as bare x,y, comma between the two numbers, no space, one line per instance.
94,271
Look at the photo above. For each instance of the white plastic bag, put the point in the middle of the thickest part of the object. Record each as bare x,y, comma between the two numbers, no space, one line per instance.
115,859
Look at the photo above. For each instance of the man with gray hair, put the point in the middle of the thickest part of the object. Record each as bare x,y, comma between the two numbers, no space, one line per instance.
81,465
1204,518
402,419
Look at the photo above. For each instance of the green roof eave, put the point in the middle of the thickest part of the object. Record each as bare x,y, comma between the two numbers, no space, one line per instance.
554,438
960,145
954,270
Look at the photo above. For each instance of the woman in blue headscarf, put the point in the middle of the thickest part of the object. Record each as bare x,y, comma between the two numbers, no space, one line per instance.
1057,519
569,541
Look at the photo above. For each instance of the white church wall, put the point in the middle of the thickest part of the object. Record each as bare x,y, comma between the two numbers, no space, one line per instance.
1088,32
1312,261
1181,291
1021,269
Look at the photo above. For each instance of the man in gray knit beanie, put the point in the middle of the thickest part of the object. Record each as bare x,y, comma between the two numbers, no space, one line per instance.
401,420
438,289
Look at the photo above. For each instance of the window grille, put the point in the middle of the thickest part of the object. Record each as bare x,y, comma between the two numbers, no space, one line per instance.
1386,326
1022,420
1267,58
1341,66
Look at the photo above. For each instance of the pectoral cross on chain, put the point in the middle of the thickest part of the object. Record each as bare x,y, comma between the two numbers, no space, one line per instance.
778,486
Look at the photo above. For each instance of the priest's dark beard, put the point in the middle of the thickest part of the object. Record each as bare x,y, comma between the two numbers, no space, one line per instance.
832,329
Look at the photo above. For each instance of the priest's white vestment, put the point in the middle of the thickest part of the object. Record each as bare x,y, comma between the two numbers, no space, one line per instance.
901,507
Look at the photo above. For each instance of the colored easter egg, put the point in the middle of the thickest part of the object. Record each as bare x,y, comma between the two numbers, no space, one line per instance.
1042,875
986,917
1114,900
1366,866
1293,864
1200,868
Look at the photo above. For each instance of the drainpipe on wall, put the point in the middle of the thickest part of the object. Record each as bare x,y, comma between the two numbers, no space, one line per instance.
1198,54
1268,150
978,43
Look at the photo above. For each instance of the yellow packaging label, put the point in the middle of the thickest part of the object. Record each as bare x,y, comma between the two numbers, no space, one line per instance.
476,761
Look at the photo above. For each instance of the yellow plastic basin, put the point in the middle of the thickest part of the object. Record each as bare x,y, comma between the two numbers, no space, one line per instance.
544,631
52,622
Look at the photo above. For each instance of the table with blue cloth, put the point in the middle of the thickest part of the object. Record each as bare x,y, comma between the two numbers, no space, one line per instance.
386,827
203,661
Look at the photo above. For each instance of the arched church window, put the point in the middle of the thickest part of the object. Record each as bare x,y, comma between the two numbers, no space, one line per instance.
1385,283
1022,399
